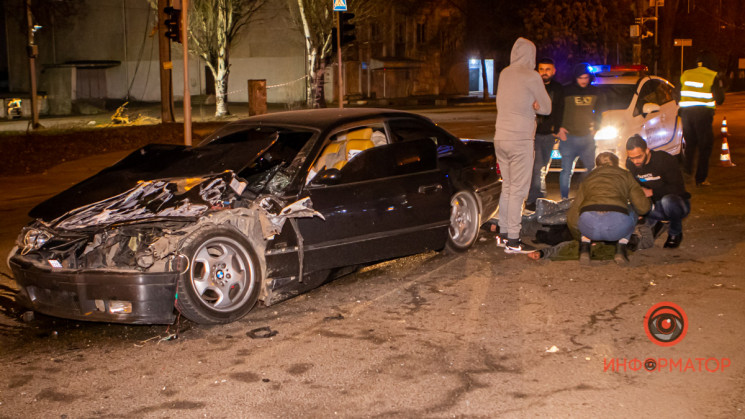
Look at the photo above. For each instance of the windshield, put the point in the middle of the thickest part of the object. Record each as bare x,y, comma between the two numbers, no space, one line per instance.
272,169
617,96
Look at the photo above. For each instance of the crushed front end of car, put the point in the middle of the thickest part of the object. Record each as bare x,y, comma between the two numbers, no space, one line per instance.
117,246
118,259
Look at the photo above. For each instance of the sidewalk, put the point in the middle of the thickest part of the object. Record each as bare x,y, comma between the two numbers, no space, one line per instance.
149,112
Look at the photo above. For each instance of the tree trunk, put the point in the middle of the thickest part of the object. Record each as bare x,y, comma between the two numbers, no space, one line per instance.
221,84
319,93
484,77
310,56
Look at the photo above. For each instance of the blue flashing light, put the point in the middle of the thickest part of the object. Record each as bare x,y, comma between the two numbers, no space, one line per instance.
594,69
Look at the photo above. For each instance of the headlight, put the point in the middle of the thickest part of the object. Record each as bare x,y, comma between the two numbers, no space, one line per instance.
607,133
34,239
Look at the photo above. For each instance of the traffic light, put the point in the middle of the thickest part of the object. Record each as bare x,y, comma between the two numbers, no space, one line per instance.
347,29
333,41
173,23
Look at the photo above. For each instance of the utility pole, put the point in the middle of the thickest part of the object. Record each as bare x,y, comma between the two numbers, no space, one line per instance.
187,93
33,52
656,42
338,52
166,66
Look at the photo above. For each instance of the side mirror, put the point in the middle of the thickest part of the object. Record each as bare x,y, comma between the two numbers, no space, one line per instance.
327,177
650,108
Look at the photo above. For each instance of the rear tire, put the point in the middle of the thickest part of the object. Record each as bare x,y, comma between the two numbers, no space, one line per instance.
224,276
465,221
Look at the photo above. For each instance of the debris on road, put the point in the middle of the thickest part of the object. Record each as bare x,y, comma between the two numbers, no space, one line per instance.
262,333
27,316
337,317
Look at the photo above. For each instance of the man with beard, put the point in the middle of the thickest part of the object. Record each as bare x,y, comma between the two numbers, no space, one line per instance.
661,179
546,131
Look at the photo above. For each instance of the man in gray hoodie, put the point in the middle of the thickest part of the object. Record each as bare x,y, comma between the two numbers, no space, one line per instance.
520,96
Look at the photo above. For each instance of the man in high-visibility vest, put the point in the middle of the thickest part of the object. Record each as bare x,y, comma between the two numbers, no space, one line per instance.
700,91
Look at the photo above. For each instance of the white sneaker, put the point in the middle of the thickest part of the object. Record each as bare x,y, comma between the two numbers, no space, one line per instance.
501,241
515,246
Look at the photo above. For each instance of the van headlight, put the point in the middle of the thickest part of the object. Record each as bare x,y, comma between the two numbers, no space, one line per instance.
607,133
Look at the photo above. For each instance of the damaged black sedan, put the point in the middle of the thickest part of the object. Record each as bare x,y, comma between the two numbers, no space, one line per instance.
264,209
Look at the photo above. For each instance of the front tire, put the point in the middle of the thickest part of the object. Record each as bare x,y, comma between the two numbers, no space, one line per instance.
224,276
465,221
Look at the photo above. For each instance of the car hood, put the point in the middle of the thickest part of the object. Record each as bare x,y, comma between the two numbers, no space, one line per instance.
157,199
613,116
153,162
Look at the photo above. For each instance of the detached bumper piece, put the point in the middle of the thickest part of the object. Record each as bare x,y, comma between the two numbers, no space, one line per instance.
102,296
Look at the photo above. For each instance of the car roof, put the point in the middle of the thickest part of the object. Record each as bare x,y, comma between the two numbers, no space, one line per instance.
322,118
626,79
611,78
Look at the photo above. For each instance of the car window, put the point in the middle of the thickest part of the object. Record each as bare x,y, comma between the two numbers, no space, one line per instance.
651,92
343,146
391,160
409,129
617,96
273,169
665,93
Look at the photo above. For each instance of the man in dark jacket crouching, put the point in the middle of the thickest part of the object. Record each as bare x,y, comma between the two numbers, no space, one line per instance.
662,180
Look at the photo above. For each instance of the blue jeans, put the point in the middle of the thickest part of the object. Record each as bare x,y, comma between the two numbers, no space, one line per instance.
544,144
574,147
606,225
671,208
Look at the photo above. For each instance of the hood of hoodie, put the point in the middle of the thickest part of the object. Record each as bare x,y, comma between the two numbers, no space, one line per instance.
523,53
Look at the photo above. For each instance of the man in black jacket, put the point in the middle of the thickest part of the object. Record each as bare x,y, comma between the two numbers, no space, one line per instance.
662,181
580,121
546,131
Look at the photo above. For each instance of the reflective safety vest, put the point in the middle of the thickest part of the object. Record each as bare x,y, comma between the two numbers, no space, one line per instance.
695,88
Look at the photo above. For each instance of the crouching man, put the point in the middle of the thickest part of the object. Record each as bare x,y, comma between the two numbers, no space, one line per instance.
661,179
606,208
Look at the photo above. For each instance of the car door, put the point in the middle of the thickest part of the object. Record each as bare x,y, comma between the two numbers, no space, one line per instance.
669,136
660,125
453,156
387,201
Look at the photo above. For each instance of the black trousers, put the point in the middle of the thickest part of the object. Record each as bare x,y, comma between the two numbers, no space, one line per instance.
698,137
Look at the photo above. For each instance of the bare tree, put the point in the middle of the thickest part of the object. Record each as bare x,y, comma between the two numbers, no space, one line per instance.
214,26
316,18
572,32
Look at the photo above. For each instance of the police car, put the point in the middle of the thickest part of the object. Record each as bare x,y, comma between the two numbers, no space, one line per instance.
635,103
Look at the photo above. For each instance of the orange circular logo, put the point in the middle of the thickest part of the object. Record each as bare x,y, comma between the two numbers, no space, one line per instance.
666,324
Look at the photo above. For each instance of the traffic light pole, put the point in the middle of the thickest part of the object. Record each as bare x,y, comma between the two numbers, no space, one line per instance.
187,93
338,60
166,66
32,53
656,27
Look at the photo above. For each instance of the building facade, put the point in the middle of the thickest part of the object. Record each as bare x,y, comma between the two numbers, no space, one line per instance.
108,50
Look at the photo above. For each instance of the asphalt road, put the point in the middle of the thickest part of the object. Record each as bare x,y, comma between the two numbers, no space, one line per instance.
480,334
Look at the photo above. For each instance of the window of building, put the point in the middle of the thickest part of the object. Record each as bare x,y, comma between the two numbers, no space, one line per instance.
374,32
421,33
